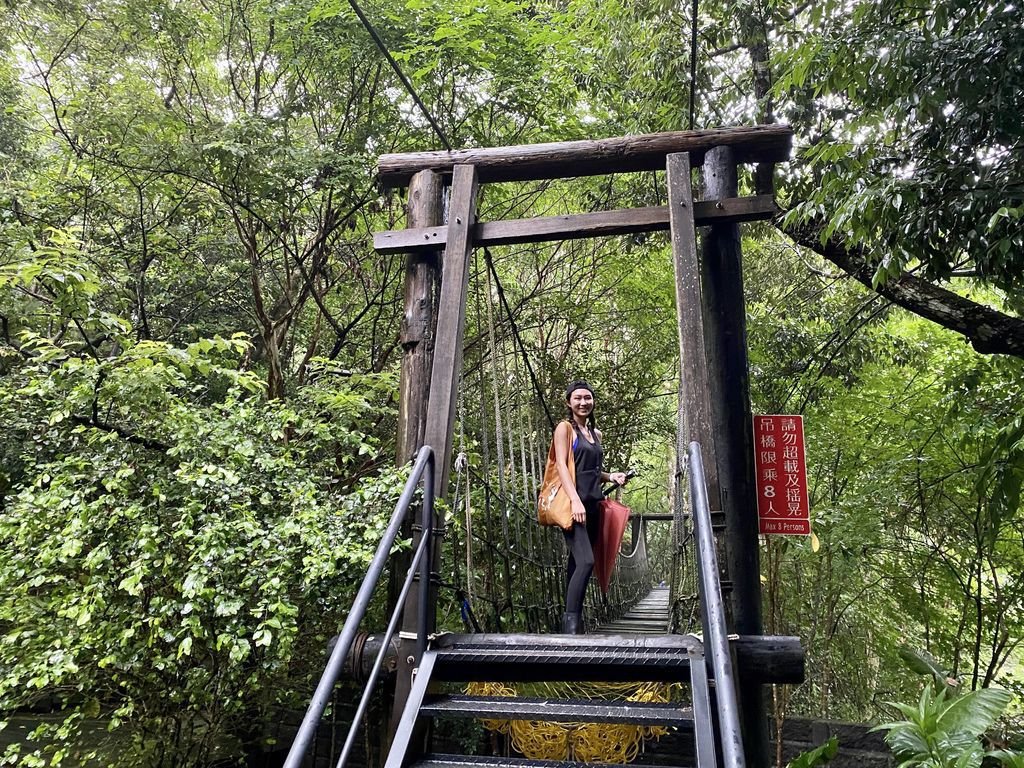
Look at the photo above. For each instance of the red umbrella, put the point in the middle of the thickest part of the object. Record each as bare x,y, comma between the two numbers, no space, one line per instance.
613,525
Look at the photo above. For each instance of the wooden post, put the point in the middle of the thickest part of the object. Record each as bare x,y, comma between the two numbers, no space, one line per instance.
728,377
451,322
419,324
419,318
694,395
446,369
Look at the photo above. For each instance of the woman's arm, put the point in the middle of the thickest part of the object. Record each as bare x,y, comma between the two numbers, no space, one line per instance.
563,438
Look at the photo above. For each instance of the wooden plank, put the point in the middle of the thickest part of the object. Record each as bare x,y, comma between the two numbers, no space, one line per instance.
752,144
769,658
578,226
451,322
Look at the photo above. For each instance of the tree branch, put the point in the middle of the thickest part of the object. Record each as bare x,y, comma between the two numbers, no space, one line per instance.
989,331
131,437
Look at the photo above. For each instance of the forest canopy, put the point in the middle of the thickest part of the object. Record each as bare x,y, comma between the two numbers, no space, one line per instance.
200,349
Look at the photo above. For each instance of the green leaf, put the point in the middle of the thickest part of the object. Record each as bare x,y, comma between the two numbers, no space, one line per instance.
185,647
817,756
975,712
923,663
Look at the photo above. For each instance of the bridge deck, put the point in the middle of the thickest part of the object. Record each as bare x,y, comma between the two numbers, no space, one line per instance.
648,617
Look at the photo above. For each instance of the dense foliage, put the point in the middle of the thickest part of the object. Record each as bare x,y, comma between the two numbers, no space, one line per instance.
199,348
919,544
176,544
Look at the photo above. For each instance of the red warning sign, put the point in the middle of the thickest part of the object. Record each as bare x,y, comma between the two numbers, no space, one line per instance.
783,506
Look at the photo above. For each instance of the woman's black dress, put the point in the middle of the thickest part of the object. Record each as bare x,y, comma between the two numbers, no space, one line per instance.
589,457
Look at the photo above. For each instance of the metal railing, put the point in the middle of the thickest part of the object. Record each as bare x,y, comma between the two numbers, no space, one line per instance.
423,470
716,637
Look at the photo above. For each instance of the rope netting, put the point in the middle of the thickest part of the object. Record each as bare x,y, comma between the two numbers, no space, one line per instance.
508,573
584,742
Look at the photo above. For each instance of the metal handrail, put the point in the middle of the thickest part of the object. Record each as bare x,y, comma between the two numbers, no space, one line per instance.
716,640
423,470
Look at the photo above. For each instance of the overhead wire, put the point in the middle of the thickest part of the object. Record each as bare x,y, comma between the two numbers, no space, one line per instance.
693,63
401,75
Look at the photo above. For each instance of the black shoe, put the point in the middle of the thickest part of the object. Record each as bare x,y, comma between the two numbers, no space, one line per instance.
571,624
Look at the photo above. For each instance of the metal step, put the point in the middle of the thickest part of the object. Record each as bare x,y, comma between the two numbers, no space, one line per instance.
663,658
478,761
558,710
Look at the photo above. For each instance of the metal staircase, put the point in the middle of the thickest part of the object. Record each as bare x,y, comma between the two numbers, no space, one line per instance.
536,658
702,665
714,411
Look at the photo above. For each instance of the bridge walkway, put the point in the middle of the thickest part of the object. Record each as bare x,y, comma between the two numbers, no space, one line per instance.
650,616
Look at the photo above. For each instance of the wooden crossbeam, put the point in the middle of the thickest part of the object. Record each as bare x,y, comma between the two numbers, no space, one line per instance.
751,144
577,226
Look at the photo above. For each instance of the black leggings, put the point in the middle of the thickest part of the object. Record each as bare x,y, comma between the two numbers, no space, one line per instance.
581,540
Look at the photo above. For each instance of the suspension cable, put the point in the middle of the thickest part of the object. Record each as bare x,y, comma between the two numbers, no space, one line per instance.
499,431
693,62
401,75
515,334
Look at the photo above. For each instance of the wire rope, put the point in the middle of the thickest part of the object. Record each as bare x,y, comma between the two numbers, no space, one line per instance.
499,433
516,336
461,468
401,75
693,62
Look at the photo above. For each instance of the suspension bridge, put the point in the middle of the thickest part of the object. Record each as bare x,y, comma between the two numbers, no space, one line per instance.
677,644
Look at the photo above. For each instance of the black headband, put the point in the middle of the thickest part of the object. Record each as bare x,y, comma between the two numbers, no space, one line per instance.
577,385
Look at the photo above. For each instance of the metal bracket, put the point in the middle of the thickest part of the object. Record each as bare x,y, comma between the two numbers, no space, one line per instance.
405,635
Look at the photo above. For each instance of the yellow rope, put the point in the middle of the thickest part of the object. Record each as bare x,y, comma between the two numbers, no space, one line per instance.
586,742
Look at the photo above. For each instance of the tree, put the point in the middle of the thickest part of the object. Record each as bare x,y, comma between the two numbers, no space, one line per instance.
916,544
217,196
179,548
909,162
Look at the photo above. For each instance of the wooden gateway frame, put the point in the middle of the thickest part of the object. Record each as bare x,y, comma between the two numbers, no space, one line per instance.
714,385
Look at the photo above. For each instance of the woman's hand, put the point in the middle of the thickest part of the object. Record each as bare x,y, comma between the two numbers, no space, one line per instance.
619,478
579,513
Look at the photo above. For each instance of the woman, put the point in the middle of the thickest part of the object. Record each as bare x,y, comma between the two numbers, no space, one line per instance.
580,431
